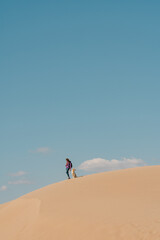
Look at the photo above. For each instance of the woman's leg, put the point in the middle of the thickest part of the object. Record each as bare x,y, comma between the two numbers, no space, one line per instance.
67,172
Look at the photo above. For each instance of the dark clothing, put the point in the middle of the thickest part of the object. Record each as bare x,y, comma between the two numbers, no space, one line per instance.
67,172
68,167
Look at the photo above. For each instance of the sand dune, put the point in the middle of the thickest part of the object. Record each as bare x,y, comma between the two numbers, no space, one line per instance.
118,205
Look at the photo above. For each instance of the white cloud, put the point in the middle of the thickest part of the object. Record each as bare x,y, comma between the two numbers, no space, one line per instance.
20,182
3,188
100,164
43,150
18,174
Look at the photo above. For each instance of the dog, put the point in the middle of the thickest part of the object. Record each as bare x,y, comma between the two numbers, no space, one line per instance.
73,173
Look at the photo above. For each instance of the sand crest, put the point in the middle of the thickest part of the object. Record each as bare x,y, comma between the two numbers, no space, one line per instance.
118,205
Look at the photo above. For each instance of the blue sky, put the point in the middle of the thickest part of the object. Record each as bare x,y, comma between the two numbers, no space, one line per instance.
78,79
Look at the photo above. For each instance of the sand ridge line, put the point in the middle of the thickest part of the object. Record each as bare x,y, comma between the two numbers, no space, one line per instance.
113,205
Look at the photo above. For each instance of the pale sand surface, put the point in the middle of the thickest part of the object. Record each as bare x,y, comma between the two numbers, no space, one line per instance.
116,205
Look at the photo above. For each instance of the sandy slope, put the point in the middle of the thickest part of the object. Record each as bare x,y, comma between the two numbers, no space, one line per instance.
115,205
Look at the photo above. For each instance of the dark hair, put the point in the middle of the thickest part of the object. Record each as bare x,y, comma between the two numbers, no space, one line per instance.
67,159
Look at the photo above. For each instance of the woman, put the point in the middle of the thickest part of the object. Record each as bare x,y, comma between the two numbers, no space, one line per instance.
68,167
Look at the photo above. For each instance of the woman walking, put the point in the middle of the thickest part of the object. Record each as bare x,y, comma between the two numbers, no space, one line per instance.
68,167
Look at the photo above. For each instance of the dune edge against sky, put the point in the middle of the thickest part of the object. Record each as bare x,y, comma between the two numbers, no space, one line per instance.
123,204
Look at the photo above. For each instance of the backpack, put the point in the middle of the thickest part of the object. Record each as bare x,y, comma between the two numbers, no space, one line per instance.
70,165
